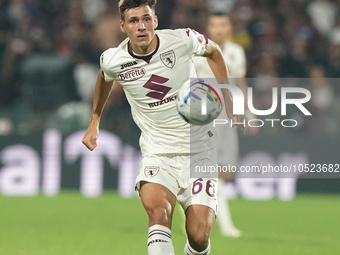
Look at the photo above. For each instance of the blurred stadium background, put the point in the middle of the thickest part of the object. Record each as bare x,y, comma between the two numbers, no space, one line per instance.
58,198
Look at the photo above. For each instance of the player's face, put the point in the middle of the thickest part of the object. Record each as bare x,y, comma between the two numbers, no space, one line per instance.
140,24
219,27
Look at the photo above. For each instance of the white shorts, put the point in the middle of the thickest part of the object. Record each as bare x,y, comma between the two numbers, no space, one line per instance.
173,172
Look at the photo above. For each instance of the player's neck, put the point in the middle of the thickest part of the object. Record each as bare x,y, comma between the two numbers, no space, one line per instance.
145,50
143,55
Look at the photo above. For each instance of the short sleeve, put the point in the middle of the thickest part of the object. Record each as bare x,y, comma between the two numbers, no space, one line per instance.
104,66
195,41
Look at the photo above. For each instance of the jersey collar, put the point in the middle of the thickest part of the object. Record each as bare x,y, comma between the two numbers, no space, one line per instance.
146,58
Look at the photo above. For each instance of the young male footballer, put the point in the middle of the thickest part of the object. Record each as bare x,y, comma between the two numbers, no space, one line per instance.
152,66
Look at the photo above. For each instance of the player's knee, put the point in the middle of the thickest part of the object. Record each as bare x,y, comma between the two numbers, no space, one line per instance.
198,234
158,215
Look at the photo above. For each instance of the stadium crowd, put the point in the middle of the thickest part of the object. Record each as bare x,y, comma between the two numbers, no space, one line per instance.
49,57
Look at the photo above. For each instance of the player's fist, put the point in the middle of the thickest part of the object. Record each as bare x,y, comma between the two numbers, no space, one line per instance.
242,121
90,138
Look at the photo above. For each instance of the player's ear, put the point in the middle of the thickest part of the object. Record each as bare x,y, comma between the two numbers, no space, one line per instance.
122,26
156,22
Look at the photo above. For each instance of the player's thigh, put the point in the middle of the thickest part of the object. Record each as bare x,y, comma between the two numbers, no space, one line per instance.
159,202
201,191
199,221
199,202
157,169
197,215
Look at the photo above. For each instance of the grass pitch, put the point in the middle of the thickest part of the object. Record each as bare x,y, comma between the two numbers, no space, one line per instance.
70,224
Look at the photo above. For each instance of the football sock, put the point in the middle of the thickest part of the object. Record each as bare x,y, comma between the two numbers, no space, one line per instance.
159,241
188,250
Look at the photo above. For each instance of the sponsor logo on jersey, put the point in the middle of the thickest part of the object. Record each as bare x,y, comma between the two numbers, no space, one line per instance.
168,58
128,65
151,171
159,91
165,101
132,74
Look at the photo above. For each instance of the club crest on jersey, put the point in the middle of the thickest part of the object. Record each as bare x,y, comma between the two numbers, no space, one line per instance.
168,58
132,74
151,171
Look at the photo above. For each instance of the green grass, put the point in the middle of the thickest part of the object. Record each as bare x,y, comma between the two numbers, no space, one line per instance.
70,224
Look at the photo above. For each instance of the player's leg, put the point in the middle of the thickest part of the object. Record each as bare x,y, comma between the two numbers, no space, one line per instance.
199,221
158,189
200,205
198,200
159,203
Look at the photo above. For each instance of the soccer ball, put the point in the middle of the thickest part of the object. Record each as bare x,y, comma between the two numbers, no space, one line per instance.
190,102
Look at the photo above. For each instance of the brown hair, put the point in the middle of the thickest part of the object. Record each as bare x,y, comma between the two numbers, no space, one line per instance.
124,5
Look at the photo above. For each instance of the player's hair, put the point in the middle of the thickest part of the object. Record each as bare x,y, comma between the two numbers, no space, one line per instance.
220,14
124,5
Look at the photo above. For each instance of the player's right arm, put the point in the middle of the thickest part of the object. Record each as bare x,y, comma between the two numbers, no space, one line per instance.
101,94
217,65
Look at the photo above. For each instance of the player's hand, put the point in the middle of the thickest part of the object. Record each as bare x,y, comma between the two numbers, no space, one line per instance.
240,119
90,137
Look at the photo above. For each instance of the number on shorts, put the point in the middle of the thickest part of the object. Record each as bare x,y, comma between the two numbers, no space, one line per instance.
210,188
197,187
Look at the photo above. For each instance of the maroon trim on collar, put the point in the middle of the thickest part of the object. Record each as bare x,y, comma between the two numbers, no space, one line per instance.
146,58
206,39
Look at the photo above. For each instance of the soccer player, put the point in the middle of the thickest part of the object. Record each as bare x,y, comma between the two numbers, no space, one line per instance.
152,65
219,27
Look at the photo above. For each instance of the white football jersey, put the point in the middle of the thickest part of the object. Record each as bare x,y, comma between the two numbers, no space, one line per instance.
151,84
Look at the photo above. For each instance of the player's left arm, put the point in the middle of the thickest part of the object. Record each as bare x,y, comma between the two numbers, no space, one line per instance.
217,65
